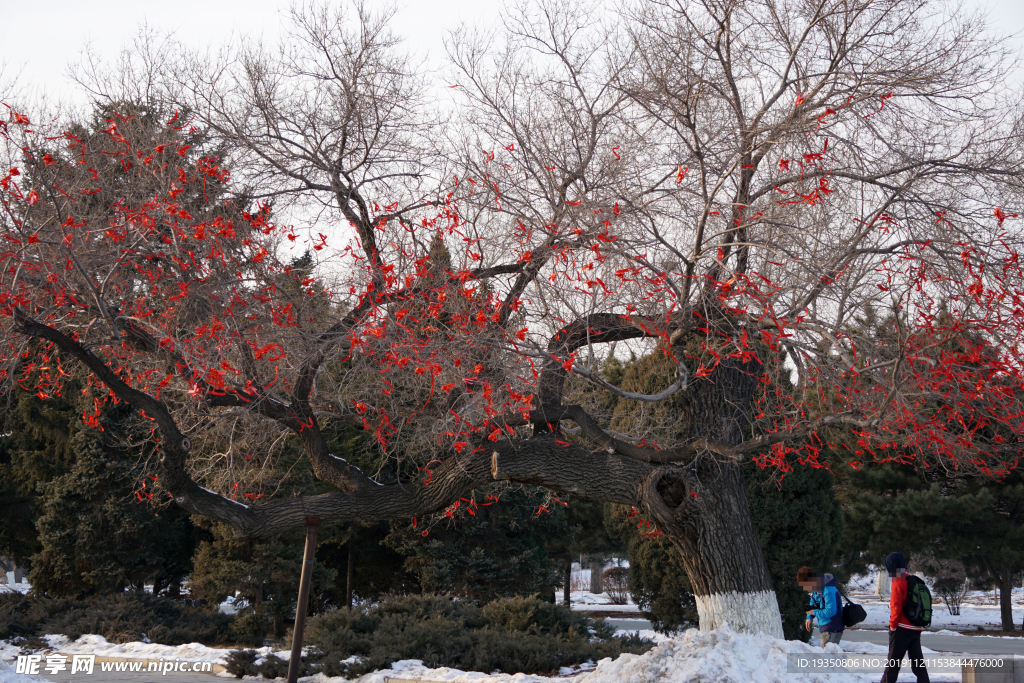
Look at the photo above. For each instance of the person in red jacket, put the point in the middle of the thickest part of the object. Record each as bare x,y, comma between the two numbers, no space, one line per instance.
904,637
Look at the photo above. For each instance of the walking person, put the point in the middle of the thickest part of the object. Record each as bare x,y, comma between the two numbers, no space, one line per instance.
904,636
826,605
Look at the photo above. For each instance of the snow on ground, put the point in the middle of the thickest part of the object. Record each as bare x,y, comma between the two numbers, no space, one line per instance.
978,609
98,645
723,656
694,657
592,602
231,605
7,651
7,675
970,618
22,588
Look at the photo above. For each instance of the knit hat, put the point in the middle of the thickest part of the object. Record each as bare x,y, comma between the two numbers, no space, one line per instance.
894,561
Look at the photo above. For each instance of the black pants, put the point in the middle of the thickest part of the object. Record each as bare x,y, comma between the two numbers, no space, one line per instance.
902,642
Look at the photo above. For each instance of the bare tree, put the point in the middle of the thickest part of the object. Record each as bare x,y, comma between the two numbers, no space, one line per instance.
731,185
783,172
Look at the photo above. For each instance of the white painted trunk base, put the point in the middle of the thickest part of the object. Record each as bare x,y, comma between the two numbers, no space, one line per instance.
744,612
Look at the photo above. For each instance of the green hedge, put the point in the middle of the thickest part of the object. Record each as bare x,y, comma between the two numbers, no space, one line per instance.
120,618
514,634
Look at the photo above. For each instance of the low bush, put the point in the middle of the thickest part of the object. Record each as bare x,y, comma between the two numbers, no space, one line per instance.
538,617
615,582
120,618
514,634
248,663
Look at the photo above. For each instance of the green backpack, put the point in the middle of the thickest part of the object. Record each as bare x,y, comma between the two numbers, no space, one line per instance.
918,606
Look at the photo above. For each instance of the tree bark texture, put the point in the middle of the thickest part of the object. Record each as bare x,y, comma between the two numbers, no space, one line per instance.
704,510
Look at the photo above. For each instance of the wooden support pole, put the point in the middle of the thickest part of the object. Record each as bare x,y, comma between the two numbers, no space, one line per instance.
300,609
348,574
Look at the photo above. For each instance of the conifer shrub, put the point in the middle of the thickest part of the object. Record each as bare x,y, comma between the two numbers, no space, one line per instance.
511,635
248,663
120,618
20,616
537,617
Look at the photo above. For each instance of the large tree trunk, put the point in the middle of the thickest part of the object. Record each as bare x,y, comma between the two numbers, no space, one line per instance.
715,534
703,508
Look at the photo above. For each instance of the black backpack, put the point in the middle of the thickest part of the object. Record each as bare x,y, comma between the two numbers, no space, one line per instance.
918,606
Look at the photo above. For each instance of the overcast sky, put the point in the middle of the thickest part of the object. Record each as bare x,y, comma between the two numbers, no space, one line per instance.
38,40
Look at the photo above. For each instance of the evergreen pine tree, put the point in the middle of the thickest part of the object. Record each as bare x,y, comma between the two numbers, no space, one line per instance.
799,522
376,569
977,521
35,449
497,551
262,575
98,534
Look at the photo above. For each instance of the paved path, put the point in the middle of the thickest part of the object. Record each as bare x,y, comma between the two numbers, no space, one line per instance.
975,645
630,624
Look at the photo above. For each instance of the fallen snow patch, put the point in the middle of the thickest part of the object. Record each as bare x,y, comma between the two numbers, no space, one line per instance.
7,675
98,645
722,655
231,605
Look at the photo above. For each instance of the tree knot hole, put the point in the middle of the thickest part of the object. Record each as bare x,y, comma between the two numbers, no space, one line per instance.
673,489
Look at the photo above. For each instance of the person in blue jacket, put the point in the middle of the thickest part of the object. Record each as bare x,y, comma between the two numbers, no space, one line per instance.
826,605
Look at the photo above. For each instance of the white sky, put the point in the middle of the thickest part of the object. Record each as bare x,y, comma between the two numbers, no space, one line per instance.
38,40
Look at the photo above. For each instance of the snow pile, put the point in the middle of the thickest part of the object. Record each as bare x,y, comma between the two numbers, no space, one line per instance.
413,669
231,605
7,675
597,601
8,650
98,645
723,656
